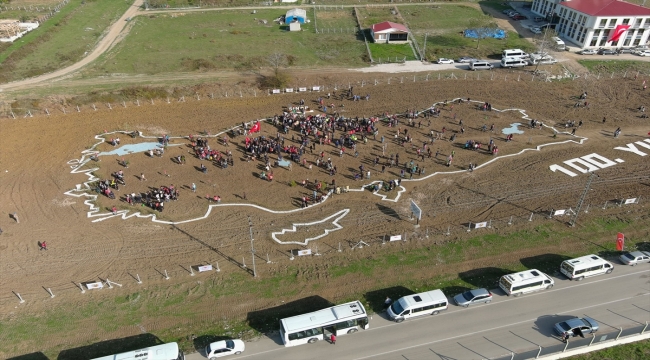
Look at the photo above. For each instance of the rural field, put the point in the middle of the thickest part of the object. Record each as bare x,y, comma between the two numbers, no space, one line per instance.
221,303
152,258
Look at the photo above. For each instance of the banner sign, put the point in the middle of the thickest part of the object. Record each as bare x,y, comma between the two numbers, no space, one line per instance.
620,241
95,285
396,237
205,268
304,252
315,88
480,225
559,212
302,89
287,90
276,91
416,210
630,201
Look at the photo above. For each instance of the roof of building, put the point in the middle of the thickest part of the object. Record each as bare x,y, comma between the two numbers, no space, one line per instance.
297,12
606,7
388,25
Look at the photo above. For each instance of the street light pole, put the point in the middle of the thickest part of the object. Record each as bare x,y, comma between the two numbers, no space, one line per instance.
250,229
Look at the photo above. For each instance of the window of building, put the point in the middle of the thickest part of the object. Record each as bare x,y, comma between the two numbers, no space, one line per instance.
603,23
638,23
594,41
626,21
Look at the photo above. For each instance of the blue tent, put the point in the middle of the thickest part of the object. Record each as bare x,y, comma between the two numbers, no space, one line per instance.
485,33
299,15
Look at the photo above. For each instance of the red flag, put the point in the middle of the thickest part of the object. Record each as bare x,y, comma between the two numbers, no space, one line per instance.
620,242
257,127
617,33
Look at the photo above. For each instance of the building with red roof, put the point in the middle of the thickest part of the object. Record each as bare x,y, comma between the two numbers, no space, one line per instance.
389,32
593,23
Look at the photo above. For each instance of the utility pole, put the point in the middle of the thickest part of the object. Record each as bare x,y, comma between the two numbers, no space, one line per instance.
544,42
423,56
250,229
582,199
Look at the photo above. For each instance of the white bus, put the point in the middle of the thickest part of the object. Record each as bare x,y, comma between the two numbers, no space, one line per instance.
426,303
319,325
168,351
524,282
590,265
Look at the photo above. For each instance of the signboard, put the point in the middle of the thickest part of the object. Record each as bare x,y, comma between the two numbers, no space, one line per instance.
480,225
205,268
302,89
416,210
620,241
630,201
287,90
304,252
276,91
559,212
396,237
95,285
315,88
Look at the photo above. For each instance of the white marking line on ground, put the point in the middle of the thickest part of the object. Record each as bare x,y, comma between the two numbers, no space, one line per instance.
496,328
94,211
339,215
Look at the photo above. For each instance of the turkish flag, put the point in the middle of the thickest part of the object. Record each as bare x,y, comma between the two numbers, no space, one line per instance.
617,33
620,241
257,127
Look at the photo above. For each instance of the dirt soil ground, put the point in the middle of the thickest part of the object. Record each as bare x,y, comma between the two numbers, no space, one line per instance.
35,173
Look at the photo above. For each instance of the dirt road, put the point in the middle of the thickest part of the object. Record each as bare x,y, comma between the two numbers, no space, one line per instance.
104,45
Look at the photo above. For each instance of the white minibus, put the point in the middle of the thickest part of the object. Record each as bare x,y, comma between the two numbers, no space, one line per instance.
480,65
582,267
341,319
559,44
524,282
426,303
514,53
168,351
513,62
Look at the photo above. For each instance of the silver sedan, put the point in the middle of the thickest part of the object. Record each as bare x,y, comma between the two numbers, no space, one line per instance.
635,257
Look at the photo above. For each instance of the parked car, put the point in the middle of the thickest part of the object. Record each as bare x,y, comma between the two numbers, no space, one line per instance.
466,59
625,50
224,348
513,14
576,327
506,11
471,297
635,257
519,17
587,52
536,30
643,53
606,52
445,61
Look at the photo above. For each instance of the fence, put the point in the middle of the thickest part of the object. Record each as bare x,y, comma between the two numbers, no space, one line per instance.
607,339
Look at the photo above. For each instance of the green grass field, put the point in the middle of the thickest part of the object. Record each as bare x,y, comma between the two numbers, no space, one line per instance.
456,45
233,39
635,351
334,19
609,66
61,40
391,52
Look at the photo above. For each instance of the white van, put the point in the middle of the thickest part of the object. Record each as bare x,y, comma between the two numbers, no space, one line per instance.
426,303
524,282
480,65
513,62
558,43
514,53
582,267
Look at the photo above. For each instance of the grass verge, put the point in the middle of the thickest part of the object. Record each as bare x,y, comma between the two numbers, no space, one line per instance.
635,351
174,312
609,66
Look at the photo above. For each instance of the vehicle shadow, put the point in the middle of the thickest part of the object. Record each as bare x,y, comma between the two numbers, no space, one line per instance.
487,277
544,324
376,299
33,356
110,347
548,263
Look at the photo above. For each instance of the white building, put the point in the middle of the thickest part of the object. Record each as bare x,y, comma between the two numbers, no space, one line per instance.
589,23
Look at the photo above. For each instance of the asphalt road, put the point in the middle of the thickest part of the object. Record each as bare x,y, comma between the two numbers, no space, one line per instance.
507,325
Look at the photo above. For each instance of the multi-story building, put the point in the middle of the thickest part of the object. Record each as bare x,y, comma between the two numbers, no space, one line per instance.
590,23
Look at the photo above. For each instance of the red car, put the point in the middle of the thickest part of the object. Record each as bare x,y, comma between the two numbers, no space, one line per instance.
519,17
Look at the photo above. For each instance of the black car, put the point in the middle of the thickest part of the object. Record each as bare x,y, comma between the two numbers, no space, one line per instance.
606,52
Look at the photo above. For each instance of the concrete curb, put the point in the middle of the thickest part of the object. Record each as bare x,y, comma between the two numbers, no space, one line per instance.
599,346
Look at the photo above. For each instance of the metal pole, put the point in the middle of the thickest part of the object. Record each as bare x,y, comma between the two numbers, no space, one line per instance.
539,352
250,229
566,346
593,337
619,333
582,198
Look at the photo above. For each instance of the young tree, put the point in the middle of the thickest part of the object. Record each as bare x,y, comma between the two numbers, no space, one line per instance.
279,78
484,26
